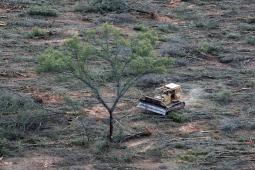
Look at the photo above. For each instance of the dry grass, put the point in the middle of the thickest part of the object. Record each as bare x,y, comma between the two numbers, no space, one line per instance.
214,63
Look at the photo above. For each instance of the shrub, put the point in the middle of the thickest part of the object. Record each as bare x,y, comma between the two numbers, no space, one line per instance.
13,104
223,97
51,61
247,27
101,5
176,117
180,146
43,11
233,35
168,27
188,158
80,142
37,33
206,24
101,146
141,27
208,48
251,110
19,115
251,40
4,147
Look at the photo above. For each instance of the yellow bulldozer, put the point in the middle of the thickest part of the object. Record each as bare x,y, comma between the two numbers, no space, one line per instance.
167,99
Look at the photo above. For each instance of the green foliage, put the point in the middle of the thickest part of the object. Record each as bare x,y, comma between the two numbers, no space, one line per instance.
109,51
12,104
141,27
51,61
19,115
180,146
247,27
176,117
183,12
80,142
42,11
167,28
223,97
233,35
206,47
251,40
37,33
119,135
101,146
101,5
126,157
5,148
206,24
188,158
192,155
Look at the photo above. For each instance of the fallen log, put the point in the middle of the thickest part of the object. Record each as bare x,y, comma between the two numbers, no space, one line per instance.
146,133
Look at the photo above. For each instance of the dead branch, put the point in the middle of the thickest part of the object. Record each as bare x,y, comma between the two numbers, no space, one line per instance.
146,133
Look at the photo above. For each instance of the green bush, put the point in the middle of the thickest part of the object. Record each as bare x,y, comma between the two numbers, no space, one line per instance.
251,40
51,61
13,104
80,142
206,24
206,47
42,11
176,117
167,28
223,97
101,5
141,27
4,147
101,146
247,27
180,146
233,35
37,32
187,158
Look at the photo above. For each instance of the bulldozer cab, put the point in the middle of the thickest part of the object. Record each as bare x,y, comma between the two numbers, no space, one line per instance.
169,93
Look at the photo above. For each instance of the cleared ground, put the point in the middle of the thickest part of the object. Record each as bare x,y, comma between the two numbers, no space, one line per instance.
214,61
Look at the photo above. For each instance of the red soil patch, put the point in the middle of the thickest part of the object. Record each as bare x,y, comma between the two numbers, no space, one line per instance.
41,96
79,94
98,112
212,60
189,128
167,19
9,74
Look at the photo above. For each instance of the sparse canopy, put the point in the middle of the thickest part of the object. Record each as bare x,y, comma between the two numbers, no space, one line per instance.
106,56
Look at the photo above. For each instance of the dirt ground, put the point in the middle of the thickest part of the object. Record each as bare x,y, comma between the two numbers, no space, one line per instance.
213,62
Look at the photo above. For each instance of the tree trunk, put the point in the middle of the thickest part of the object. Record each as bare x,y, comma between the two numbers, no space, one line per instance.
110,127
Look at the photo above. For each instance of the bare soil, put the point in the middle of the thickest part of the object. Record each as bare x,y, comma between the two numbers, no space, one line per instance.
215,134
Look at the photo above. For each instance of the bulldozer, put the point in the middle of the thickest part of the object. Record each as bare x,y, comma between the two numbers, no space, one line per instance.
167,99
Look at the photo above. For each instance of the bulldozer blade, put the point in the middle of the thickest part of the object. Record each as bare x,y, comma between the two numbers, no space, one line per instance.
152,108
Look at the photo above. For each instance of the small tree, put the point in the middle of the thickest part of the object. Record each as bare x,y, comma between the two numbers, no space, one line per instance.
104,57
